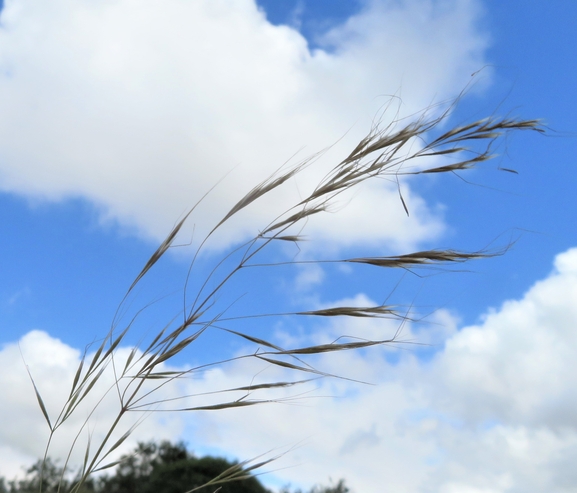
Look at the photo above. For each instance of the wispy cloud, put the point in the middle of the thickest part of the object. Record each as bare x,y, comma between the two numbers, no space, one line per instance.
13,299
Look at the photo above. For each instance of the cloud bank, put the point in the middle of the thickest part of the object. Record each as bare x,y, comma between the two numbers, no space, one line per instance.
140,108
491,411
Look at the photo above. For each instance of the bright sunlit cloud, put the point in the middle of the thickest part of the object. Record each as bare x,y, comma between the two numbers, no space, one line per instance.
141,108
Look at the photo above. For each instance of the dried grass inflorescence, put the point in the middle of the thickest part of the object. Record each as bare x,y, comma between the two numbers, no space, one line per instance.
388,151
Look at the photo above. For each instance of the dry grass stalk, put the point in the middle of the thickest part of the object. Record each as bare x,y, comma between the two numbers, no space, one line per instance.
384,152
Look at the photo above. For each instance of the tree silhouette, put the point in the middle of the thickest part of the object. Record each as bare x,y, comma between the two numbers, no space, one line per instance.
168,468
154,468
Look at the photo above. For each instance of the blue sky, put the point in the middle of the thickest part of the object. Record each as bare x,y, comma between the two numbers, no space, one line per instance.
114,121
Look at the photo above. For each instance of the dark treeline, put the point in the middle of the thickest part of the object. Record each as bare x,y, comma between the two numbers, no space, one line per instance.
154,468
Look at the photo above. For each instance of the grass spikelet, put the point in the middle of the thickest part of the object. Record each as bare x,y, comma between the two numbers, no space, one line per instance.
350,311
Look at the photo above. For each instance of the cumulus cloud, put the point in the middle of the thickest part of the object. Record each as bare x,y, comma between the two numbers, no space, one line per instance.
521,358
141,108
491,411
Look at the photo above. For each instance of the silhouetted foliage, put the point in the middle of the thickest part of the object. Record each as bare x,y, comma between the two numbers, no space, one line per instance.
45,476
168,468
152,468
340,487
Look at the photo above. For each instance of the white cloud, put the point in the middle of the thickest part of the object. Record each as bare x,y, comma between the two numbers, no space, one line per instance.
53,364
309,276
492,411
141,107
521,357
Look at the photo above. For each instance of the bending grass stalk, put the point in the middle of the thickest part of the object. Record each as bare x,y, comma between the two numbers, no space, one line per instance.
384,152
